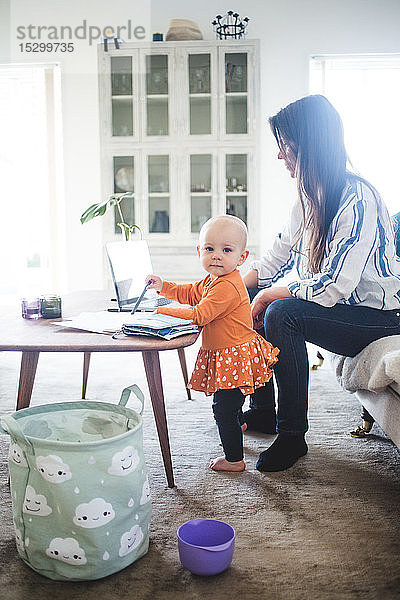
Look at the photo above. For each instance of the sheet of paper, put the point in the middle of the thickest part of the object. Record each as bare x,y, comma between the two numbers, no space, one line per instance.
96,322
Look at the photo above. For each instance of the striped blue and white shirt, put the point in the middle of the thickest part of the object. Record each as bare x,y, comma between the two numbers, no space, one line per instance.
360,264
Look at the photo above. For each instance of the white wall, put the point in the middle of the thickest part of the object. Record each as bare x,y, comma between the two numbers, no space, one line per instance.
84,243
290,32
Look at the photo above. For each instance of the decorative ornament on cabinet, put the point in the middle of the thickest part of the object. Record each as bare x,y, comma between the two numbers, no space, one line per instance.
230,26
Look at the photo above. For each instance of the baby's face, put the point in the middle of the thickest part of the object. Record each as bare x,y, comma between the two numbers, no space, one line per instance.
221,248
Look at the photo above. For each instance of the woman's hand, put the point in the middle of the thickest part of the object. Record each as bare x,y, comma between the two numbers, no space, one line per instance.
156,282
263,300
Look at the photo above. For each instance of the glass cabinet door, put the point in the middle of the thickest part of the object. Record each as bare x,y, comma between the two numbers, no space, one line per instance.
159,193
236,185
200,190
199,66
236,93
178,124
121,96
124,181
157,122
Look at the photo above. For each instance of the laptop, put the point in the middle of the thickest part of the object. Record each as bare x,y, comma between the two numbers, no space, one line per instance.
130,263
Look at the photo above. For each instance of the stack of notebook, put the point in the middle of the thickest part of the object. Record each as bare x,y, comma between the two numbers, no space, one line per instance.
158,325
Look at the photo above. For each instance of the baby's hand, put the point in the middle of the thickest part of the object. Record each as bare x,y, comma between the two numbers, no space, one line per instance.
156,282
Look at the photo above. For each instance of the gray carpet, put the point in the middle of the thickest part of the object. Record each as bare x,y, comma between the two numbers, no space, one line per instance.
328,528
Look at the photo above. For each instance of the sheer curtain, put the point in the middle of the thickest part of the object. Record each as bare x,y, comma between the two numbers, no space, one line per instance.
31,238
365,89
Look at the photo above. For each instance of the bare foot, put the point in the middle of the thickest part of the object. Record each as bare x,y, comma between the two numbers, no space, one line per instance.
221,464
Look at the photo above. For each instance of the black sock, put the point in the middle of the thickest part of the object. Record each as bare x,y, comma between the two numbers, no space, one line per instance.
261,415
260,419
283,453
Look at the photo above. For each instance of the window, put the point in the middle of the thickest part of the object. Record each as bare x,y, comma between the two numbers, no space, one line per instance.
365,89
30,178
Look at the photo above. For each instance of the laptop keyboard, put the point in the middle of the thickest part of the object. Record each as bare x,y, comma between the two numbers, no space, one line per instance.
149,304
155,302
162,301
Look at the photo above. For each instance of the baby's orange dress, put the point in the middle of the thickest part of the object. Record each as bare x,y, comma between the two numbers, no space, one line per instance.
232,354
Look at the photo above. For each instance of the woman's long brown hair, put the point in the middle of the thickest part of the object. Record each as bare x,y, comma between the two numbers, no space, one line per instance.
313,130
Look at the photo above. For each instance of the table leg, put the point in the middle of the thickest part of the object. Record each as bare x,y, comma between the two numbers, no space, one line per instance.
182,360
86,363
151,362
29,361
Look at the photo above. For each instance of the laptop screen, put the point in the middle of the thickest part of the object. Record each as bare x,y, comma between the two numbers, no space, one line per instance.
130,264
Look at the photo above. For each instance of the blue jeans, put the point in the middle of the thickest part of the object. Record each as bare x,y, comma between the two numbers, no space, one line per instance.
342,329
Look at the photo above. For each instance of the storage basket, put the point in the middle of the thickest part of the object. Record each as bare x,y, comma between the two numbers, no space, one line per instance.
80,494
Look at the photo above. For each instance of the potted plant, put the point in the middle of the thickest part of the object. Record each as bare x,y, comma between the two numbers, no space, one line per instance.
97,210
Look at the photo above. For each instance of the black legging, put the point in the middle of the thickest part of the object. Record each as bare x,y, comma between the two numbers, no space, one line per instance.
227,409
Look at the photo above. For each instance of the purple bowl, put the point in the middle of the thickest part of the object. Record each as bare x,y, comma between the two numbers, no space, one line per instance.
206,546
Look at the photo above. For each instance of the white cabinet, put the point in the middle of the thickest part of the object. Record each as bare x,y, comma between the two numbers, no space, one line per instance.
179,130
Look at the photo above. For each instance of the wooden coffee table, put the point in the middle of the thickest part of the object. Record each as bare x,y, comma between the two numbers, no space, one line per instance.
33,337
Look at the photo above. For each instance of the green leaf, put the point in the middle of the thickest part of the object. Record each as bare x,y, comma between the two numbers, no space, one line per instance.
126,230
133,227
95,210
114,200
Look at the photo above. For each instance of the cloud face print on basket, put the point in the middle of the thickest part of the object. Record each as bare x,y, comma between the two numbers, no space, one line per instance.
92,514
35,504
18,539
124,462
145,492
67,550
53,469
16,455
130,540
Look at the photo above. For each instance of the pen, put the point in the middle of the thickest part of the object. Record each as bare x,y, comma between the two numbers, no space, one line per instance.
141,297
